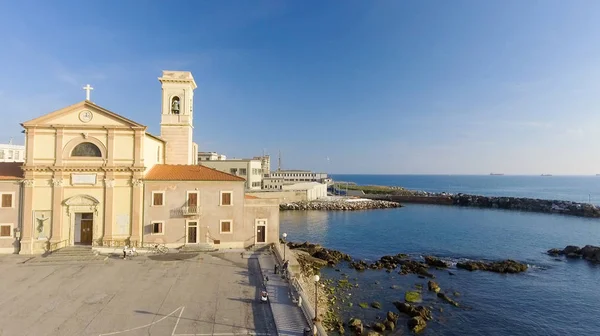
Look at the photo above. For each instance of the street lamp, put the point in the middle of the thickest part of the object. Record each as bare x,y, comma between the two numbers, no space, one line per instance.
316,278
284,235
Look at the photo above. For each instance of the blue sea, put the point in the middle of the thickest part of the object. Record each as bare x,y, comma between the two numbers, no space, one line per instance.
554,297
568,188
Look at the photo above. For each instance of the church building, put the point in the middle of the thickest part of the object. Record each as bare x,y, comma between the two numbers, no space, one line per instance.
93,177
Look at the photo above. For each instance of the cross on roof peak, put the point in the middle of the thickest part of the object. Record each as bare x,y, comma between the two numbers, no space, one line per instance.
87,89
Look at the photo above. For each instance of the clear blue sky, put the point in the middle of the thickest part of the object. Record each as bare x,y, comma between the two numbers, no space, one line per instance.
375,86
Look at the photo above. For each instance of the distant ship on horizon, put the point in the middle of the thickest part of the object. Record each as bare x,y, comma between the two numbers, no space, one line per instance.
546,174
496,174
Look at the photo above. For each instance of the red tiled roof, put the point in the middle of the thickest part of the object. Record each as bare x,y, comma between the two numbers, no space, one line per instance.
165,172
11,170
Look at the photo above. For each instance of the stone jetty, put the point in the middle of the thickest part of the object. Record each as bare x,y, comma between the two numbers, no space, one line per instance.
339,205
528,204
493,202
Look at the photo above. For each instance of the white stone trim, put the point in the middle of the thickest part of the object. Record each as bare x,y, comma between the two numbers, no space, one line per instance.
265,225
12,199
187,225
187,197
12,233
162,228
221,197
230,226
163,199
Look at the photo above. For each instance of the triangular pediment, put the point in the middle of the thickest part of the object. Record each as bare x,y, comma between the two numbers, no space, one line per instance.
84,114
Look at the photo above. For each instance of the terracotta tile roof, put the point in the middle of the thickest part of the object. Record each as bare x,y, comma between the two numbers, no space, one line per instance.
11,170
165,172
250,197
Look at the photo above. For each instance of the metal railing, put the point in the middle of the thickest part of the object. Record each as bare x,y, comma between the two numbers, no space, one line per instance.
299,292
191,210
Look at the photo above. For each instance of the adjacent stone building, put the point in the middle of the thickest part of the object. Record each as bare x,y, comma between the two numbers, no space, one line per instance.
94,177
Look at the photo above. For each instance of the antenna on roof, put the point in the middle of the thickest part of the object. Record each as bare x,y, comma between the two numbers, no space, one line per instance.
279,161
10,142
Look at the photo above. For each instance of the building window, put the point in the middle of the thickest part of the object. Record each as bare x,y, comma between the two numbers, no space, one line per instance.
226,226
86,149
158,198
1,154
7,201
157,228
242,171
5,230
233,171
158,154
226,198
10,155
17,155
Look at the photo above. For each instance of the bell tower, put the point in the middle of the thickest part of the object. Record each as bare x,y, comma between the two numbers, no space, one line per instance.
176,125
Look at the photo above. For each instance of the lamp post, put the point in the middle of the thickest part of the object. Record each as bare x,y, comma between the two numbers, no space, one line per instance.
284,235
316,278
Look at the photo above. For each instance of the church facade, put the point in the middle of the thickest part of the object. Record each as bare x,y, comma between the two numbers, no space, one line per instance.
94,177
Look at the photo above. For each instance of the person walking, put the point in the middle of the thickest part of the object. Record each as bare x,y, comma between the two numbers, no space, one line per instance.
285,268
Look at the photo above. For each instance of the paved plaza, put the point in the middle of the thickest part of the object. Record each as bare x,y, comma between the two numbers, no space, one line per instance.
197,294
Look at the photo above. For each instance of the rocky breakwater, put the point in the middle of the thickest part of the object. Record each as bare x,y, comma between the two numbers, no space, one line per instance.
527,204
588,252
339,205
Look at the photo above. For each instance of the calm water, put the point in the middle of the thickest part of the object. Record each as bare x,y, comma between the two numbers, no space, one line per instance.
552,298
570,188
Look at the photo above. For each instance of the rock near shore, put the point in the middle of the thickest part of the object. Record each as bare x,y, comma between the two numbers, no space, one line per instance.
504,266
588,252
341,205
317,251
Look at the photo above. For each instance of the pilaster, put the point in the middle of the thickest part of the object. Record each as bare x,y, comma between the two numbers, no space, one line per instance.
138,148
29,133
110,147
27,233
136,208
57,198
109,215
58,149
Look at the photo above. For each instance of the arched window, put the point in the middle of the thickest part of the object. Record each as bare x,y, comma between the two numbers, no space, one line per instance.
175,105
86,149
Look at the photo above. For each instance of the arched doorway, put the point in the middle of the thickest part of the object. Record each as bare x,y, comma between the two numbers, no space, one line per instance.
82,211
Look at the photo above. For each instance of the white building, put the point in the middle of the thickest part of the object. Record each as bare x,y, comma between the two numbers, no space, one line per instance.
300,176
12,153
313,190
210,156
250,169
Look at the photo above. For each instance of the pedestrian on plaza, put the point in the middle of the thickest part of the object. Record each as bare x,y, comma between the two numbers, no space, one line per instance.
276,268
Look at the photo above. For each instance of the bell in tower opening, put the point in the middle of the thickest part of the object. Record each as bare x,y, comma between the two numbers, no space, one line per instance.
175,105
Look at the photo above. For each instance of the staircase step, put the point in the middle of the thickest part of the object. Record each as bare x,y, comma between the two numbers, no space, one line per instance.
203,247
73,252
